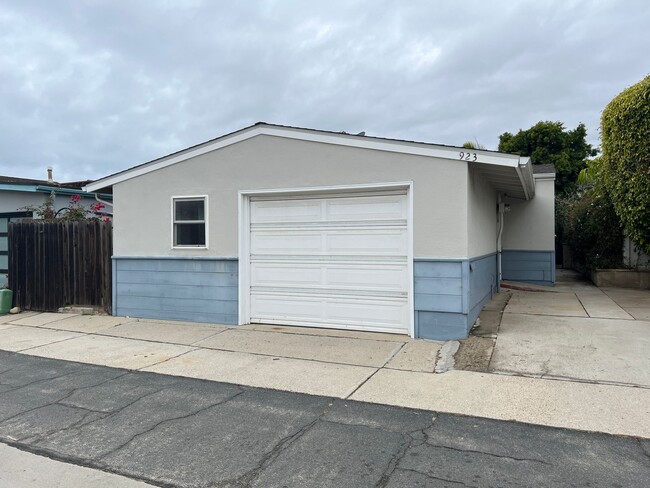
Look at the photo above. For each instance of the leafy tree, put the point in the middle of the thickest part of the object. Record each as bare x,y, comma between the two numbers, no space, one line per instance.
625,132
591,175
549,142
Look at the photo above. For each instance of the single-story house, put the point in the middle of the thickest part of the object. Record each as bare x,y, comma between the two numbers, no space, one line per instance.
18,193
284,225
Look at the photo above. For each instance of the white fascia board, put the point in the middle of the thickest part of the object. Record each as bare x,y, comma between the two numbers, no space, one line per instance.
414,148
525,172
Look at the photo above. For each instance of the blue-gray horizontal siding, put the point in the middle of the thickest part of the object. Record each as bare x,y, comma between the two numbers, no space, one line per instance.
528,266
449,295
440,299
197,290
440,326
482,284
438,286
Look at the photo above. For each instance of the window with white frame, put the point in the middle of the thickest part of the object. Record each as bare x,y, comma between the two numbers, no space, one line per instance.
189,222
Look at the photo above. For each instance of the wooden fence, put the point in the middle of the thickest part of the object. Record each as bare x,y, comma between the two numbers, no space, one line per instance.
56,264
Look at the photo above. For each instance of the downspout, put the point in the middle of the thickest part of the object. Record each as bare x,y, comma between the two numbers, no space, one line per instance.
501,212
105,202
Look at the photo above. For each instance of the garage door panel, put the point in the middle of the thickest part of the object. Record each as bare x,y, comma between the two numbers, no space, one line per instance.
286,211
366,208
271,274
280,242
380,314
393,278
329,311
389,242
332,209
285,307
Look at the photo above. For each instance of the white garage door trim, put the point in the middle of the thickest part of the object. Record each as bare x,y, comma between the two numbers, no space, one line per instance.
348,190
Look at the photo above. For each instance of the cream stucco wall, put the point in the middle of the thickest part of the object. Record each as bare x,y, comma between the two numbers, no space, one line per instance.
482,215
142,210
530,225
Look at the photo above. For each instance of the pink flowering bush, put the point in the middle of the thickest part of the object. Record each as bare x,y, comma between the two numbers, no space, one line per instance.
75,211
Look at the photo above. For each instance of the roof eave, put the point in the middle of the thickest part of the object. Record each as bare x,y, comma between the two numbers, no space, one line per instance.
404,147
525,172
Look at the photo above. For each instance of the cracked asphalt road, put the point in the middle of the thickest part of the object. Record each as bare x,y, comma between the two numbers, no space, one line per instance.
173,431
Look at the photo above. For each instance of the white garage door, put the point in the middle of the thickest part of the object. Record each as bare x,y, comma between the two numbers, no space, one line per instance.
339,261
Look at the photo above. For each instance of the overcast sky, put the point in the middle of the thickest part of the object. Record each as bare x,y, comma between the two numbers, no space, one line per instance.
94,87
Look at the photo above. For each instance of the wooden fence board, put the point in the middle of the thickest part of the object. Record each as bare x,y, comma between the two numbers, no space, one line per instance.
55,264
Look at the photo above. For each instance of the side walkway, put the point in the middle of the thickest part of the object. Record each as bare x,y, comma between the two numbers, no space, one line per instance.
577,332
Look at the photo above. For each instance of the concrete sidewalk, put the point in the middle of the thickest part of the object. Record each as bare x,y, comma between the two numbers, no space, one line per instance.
378,368
25,470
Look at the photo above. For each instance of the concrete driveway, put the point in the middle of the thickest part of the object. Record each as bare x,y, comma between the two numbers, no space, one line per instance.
576,331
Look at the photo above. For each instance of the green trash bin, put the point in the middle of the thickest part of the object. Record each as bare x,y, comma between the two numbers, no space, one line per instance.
6,297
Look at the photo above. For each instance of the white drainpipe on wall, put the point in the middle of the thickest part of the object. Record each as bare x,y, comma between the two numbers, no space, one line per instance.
502,209
102,201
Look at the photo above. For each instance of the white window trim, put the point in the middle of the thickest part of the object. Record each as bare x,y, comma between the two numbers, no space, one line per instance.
244,236
205,219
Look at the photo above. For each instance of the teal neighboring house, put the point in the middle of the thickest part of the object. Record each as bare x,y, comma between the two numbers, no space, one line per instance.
18,193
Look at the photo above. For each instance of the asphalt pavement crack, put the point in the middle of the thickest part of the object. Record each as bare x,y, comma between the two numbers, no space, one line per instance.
79,423
80,388
172,419
645,450
6,371
42,380
457,449
436,478
395,460
24,412
111,413
250,476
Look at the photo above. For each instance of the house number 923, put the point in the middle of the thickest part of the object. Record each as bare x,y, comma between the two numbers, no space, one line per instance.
467,156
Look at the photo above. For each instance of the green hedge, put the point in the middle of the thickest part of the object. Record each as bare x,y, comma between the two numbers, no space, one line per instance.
591,228
625,132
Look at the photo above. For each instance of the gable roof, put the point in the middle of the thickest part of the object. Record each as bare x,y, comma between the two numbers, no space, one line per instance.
524,187
543,169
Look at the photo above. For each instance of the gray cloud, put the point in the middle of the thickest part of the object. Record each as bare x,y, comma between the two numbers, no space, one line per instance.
94,87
